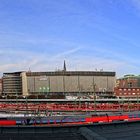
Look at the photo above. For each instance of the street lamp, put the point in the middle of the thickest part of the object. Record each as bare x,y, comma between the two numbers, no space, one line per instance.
138,101
48,90
86,106
40,88
26,105
16,96
94,96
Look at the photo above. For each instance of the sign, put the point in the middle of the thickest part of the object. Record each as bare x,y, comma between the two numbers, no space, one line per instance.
43,78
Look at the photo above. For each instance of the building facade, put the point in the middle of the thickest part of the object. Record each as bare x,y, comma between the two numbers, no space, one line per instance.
0,86
12,83
128,87
65,82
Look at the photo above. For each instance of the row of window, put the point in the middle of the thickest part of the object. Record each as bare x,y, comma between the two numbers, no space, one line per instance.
129,93
129,89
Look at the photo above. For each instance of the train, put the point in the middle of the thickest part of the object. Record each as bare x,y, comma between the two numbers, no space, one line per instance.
68,120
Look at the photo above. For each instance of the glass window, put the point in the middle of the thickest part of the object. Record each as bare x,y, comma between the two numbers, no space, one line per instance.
130,84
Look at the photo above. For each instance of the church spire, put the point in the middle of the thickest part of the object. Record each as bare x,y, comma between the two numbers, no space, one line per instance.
64,67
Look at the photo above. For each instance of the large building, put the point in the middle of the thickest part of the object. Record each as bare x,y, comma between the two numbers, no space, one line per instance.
12,83
0,86
65,82
128,86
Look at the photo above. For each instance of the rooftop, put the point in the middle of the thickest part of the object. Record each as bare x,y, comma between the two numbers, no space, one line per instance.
69,73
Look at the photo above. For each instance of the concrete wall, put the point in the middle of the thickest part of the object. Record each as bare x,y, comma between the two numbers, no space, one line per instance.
37,83
24,83
70,83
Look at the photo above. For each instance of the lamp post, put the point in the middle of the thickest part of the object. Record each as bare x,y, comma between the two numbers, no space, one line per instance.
86,106
94,96
48,90
26,105
40,91
16,97
138,100
80,97
128,105
5,95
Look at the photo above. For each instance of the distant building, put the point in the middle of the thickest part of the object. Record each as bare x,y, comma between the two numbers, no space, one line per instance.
128,86
58,82
12,83
0,86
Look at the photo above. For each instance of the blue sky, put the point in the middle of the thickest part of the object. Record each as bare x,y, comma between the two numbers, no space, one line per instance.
88,34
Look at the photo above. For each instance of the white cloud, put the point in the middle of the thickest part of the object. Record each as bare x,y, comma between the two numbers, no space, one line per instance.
66,53
23,59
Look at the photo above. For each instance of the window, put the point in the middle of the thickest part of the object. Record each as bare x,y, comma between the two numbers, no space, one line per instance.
130,84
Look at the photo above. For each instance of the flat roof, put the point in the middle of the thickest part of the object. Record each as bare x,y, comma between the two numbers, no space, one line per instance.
72,73
110,131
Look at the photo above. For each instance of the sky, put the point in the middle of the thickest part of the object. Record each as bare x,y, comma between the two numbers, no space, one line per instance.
38,35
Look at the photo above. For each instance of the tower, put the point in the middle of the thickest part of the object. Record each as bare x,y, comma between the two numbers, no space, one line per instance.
64,67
